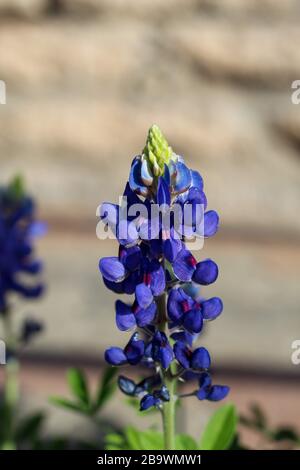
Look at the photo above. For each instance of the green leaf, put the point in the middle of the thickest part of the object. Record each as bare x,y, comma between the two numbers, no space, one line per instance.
132,436
114,441
221,429
151,440
68,404
185,442
106,388
29,428
78,385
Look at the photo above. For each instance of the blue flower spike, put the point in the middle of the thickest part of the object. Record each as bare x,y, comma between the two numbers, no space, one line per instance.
166,314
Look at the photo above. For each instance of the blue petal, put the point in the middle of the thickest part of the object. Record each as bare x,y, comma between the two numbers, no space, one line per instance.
182,353
212,308
183,178
184,337
206,272
174,304
146,316
200,359
116,287
211,223
146,173
143,295
218,392
115,356
112,269
135,181
147,402
158,279
171,248
126,385
184,266
134,350
125,318
167,176
193,320
166,356
163,196
130,257
205,380
197,180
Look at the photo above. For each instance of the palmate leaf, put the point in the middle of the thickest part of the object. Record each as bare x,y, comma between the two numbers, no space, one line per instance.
30,427
220,429
106,388
69,404
78,385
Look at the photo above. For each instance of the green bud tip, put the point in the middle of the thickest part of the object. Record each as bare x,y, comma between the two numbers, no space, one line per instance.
16,187
157,150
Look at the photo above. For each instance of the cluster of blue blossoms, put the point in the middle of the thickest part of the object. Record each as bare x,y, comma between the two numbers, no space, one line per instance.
18,266
167,314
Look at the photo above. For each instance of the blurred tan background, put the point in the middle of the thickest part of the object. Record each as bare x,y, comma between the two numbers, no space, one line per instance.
85,79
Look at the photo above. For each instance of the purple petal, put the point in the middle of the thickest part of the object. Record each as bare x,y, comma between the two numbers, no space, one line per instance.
193,320
182,354
125,318
112,269
166,356
145,316
130,257
115,356
171,248
174,304
197,180
183,178
143,295
126,385
211,223
157,278
184,337
212,308
163,193
206,272
184,266
147,402
200,359
135,181
218,392
134,350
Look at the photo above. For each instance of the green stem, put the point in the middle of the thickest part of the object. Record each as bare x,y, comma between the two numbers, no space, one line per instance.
11,384
168,411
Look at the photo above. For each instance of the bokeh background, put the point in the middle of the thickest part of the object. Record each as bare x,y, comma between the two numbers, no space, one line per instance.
85,80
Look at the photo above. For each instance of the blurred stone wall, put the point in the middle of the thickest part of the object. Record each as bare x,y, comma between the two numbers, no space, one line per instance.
86,78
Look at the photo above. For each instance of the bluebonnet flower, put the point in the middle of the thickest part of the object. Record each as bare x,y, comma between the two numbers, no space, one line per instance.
199,359
156,398
18,227
190,313
155,265
132,353
210,392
